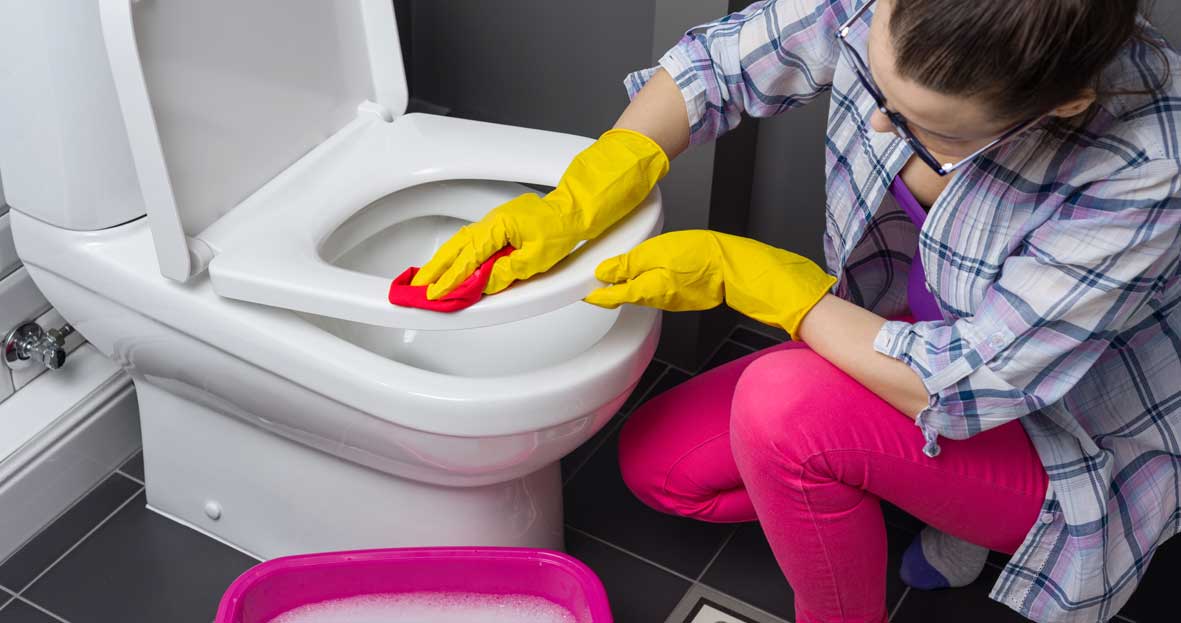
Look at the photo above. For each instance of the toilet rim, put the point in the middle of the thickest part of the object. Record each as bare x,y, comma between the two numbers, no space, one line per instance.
267,249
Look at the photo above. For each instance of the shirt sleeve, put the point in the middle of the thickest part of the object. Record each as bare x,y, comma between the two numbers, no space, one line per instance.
771,56
1101,261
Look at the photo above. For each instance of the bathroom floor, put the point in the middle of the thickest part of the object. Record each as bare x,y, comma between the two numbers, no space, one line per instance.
110,560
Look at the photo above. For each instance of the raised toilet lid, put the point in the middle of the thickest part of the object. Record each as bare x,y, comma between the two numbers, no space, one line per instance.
259,126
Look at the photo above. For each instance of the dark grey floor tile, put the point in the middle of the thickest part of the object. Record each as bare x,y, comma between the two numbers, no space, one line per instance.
598,502
575,460
651,375
1156,596
62,534
746,569
998,559
20,612
757,341
639,592
669,380
140,567
729,351
134,466
962,605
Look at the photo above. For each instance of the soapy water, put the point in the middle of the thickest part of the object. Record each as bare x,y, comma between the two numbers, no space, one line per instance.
430,608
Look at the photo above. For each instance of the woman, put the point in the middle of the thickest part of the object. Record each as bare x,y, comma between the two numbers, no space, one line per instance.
1029,331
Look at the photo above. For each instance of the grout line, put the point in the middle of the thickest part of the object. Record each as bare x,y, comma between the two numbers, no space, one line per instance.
632,554
718,553
80,541
47,612
648,390
749,349
713,353
1124,618
756,332
668,618
762,332
613,427
6,597
673,366
741,345
129,477
898,605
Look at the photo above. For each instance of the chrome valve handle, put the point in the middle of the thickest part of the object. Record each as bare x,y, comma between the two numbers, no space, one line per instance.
29,342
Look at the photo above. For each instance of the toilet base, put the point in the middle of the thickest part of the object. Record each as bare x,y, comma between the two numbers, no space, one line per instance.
269,496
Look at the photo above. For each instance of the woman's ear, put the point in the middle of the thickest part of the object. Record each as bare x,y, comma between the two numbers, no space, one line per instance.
1076,105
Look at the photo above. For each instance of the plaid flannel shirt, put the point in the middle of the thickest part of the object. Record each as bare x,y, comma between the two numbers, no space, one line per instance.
1055,262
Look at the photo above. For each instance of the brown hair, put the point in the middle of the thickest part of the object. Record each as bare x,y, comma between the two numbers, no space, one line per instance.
1027,56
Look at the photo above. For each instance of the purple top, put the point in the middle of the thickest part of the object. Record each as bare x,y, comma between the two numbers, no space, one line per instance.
922,303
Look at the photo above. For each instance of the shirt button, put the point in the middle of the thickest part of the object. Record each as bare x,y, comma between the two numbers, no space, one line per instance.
997,340
1047,518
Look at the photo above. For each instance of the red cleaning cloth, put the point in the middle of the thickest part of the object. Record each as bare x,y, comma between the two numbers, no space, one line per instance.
462,297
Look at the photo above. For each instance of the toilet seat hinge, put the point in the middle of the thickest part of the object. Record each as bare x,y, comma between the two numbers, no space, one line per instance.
380,111
200,254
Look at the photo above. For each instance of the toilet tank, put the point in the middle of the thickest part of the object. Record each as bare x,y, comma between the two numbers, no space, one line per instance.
63,146
178,109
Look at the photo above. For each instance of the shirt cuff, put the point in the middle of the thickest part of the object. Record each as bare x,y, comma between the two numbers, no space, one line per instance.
910,343
941,367
678,62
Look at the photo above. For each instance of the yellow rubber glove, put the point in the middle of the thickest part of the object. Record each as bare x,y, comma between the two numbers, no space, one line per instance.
603,184
698,269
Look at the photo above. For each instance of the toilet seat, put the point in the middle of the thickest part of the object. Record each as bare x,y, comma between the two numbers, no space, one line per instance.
268,249
248,158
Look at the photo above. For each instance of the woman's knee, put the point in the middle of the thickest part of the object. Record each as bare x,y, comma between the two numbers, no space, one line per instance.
777,406
673,464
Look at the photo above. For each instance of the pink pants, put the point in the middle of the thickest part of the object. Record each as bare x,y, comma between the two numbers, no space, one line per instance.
784,437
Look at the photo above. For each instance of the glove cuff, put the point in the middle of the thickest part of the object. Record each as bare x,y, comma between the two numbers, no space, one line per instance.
644,147
607,180
821,286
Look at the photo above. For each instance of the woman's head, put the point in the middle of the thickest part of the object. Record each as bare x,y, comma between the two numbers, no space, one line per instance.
963,71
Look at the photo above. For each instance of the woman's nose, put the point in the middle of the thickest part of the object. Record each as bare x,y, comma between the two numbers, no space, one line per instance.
880,122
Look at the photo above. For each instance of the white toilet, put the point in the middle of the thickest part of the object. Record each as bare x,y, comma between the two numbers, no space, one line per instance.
217,195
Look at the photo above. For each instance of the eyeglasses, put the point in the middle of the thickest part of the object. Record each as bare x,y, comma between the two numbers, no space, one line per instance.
901,127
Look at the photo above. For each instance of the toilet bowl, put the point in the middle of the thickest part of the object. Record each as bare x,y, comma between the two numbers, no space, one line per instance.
286,407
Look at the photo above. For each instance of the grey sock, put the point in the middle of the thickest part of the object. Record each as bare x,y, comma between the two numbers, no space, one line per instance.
959,561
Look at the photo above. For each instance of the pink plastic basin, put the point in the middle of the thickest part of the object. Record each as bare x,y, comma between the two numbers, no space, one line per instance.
274,587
